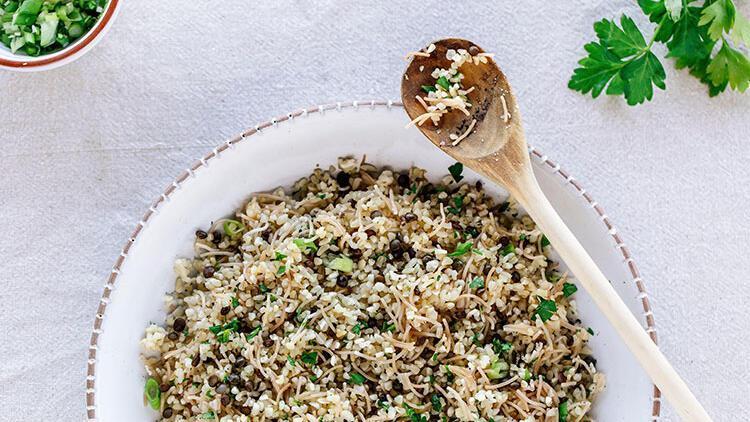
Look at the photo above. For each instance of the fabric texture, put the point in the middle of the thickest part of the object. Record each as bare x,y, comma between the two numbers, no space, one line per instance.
87,147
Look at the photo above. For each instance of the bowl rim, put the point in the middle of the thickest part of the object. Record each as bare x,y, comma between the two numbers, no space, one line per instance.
79,46
566,177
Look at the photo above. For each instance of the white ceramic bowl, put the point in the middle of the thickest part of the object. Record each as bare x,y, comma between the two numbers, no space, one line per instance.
278,153
20,62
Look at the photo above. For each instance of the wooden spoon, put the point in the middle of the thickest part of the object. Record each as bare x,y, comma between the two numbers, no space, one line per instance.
496,148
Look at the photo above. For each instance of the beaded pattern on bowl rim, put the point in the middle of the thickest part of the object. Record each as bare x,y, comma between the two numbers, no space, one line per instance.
204,162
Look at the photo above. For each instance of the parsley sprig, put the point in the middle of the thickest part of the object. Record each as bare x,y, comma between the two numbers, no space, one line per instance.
702,36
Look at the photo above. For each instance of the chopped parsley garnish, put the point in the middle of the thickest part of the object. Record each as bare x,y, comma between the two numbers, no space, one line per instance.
233,228
291,361
472,231
321,196
434,357
475,339
562,411
443,83
309,358
508,249
545,241
235,302
569,289
462,249
388,327
526,374
428,88
281,270
306,245
458,202
500,347
590,331
208,415
279,256
357,329
411,413
477,283
152,393
449,374
437,405
224,332
356,379
341,263
522,237
252,334
546,309
313,378
455,171
383,404
263,288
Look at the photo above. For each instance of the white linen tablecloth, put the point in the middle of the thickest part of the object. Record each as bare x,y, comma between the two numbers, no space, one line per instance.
87,147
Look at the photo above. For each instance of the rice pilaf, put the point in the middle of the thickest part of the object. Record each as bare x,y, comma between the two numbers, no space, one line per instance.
367,294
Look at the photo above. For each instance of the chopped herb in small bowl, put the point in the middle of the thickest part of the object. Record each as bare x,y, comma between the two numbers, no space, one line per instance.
31,29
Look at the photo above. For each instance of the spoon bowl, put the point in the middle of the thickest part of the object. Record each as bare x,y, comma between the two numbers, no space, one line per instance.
497,131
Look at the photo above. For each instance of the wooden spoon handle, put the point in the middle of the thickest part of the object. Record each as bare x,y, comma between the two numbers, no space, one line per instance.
530,196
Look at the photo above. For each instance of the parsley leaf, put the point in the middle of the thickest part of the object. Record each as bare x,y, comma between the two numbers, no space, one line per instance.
477,283
388,327
356,379
254,333
279,256
569,289
310,358
428,88
413,415
546,309
545,241
235,302
455,171
458,201
281,270
291,361
461,249
357,329
443,83
719,15
437,405
623,63
731,66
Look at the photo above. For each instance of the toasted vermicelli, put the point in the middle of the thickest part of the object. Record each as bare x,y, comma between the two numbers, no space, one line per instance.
366,294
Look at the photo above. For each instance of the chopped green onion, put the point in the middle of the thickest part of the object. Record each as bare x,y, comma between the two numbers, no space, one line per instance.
306,245
388,327
263,288
462,249
526,374
428,88
458,201
279,256
498,369
545,241
590,331
233,228
562,411
208,415
357,329
356,379
281,270
342,263
383,404
413,415
291,361
235,302
500,347
153,394
252,334
569,289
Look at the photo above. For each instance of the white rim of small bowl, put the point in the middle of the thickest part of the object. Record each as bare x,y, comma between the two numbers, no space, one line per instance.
22,63
190,172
